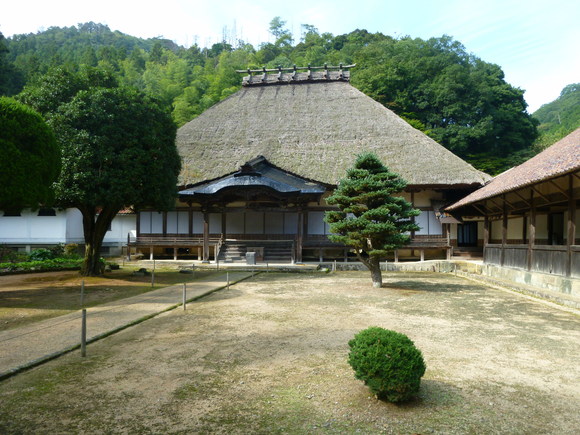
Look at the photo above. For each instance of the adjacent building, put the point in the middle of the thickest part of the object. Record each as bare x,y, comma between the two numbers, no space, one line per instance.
530,212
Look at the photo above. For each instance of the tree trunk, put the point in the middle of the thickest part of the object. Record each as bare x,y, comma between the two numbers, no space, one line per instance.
376,275
94,232
373,264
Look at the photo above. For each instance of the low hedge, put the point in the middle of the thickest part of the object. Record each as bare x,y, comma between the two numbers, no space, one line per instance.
53,264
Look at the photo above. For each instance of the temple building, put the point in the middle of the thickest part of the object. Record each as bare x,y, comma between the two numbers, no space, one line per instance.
258,166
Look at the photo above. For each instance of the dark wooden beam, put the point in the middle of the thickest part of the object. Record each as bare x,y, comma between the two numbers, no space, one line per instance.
540,193
522,197
571,236
531,231
564,191
504,231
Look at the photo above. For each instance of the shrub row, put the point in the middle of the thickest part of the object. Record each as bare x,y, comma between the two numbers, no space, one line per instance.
52,264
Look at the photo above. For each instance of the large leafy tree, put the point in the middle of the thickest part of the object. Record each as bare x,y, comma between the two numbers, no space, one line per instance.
370,218
29,157
458,99
118,150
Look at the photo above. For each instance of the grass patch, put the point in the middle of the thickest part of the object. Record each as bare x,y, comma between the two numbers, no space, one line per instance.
26,299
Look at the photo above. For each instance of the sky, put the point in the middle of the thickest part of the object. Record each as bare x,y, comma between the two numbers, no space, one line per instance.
534,42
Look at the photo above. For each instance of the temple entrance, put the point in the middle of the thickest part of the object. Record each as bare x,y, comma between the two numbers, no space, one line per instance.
467,234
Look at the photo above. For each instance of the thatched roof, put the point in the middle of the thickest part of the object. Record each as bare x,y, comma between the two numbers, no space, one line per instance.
561,158
314,130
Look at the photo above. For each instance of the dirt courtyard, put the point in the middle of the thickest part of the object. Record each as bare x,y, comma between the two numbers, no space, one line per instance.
269,356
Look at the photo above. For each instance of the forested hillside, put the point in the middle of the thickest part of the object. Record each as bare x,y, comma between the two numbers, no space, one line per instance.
460,100
560,117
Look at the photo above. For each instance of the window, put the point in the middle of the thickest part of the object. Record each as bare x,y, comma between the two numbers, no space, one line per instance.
47,212
12,213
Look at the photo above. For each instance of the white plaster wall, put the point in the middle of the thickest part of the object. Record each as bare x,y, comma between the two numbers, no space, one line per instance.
254,222
316,224
515,228
542,226
29,228
120,227
496,230
274,223
429,223
74,226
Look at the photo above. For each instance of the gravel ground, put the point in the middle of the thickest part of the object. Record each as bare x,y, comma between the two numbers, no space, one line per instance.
269,356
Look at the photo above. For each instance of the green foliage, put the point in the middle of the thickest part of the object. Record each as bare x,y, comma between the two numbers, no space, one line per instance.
29,157
560,117
370,219
50,264
463,102
41,254
118,149
455,97
387,362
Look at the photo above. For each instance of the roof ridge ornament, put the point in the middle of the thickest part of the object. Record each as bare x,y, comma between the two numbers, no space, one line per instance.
296,74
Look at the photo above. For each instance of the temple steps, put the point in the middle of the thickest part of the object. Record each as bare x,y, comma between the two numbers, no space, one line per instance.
274,252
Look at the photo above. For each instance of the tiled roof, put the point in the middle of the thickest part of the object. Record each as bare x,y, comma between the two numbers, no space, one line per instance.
559,159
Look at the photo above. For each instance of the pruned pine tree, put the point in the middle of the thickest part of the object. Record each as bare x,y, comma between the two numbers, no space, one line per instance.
370,218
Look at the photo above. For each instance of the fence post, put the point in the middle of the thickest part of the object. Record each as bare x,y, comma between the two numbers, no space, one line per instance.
184,295
84,334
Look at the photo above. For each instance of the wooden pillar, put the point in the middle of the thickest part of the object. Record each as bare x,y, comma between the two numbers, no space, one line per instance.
571,236
224,233
422,255
164,223
175,253
531,231
504,226
150,252
300,236
447,233
486,224
190,213
396,256
205,258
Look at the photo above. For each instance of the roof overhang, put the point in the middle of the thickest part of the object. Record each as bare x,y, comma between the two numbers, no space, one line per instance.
255,176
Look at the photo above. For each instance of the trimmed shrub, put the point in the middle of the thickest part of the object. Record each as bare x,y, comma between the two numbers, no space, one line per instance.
40,254
388,362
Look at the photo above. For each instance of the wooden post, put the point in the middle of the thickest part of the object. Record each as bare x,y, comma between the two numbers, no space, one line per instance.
299,235
174,254
571,235
84,333
396,256
82,293
422,255
531,231
227,280
128,246
205,258
153,274
486,223
151,253
503,231
184,295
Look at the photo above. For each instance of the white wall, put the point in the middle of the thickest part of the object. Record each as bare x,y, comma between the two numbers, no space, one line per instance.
29,228
65,227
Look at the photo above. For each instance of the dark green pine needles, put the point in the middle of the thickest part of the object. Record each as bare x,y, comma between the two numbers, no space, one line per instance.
370,219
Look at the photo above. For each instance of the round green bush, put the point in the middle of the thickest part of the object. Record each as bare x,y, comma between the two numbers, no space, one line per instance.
40,254
388,362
